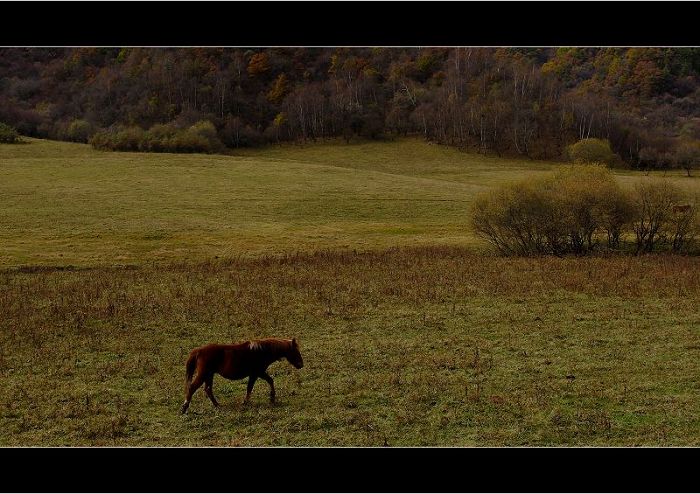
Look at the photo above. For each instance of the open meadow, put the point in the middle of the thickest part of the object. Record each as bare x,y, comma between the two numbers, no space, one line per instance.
113,266
67,204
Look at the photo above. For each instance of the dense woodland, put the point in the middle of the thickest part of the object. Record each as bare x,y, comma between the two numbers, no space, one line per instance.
530,102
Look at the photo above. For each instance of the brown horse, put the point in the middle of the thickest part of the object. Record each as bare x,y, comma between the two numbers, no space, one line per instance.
250,359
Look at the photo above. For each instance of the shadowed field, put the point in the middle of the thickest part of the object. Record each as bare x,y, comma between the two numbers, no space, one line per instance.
408,347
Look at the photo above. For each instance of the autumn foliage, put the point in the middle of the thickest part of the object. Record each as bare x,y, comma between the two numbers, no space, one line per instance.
199,138
527,102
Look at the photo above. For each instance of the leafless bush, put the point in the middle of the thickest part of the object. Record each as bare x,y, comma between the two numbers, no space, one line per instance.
683,226
557,214
657,219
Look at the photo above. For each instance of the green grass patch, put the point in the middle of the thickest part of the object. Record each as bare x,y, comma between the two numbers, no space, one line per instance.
67,204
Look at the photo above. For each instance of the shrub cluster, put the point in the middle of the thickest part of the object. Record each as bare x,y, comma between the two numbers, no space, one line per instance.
79,131
579,208
161,138
8,134
590,151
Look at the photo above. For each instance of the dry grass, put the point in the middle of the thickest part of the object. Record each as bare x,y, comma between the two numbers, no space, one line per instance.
423,346
406,346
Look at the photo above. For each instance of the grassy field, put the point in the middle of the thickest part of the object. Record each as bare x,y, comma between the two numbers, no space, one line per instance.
424,346
114,265
66,204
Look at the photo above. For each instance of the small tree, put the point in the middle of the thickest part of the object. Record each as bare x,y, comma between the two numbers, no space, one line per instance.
587,151
647,158
348,133
617,214
683,226
79,131
277,124
588,200
279,89
259,64
687,155
129,139
205,132
8,134
653,211
159,138
514,218
372,123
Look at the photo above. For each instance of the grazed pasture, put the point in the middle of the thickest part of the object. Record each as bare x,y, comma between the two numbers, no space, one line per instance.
114,265
425,346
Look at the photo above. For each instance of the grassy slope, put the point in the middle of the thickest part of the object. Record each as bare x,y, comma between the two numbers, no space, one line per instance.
63,203
66,204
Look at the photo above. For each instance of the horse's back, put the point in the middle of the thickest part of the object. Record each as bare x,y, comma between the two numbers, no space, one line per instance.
229,360
217,348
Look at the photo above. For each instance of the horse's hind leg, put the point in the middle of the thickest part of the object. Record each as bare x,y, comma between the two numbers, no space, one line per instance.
208,383
194,386
267,377
251,383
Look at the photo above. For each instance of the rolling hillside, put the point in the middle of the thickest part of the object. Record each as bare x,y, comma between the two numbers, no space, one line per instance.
67,204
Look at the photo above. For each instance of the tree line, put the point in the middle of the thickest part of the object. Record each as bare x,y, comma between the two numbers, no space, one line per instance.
529,102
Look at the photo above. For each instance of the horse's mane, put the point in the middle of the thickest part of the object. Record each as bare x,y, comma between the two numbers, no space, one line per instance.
270,345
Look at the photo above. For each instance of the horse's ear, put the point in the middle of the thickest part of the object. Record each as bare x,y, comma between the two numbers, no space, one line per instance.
294,343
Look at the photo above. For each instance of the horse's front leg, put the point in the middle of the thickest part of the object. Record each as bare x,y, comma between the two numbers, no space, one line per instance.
267,377
251,383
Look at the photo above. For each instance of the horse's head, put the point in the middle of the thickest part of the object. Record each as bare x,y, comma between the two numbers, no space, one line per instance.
294,355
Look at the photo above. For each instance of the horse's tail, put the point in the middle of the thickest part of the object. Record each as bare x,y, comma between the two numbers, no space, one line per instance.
190,366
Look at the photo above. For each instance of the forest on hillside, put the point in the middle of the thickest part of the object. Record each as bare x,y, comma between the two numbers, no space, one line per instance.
529,102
